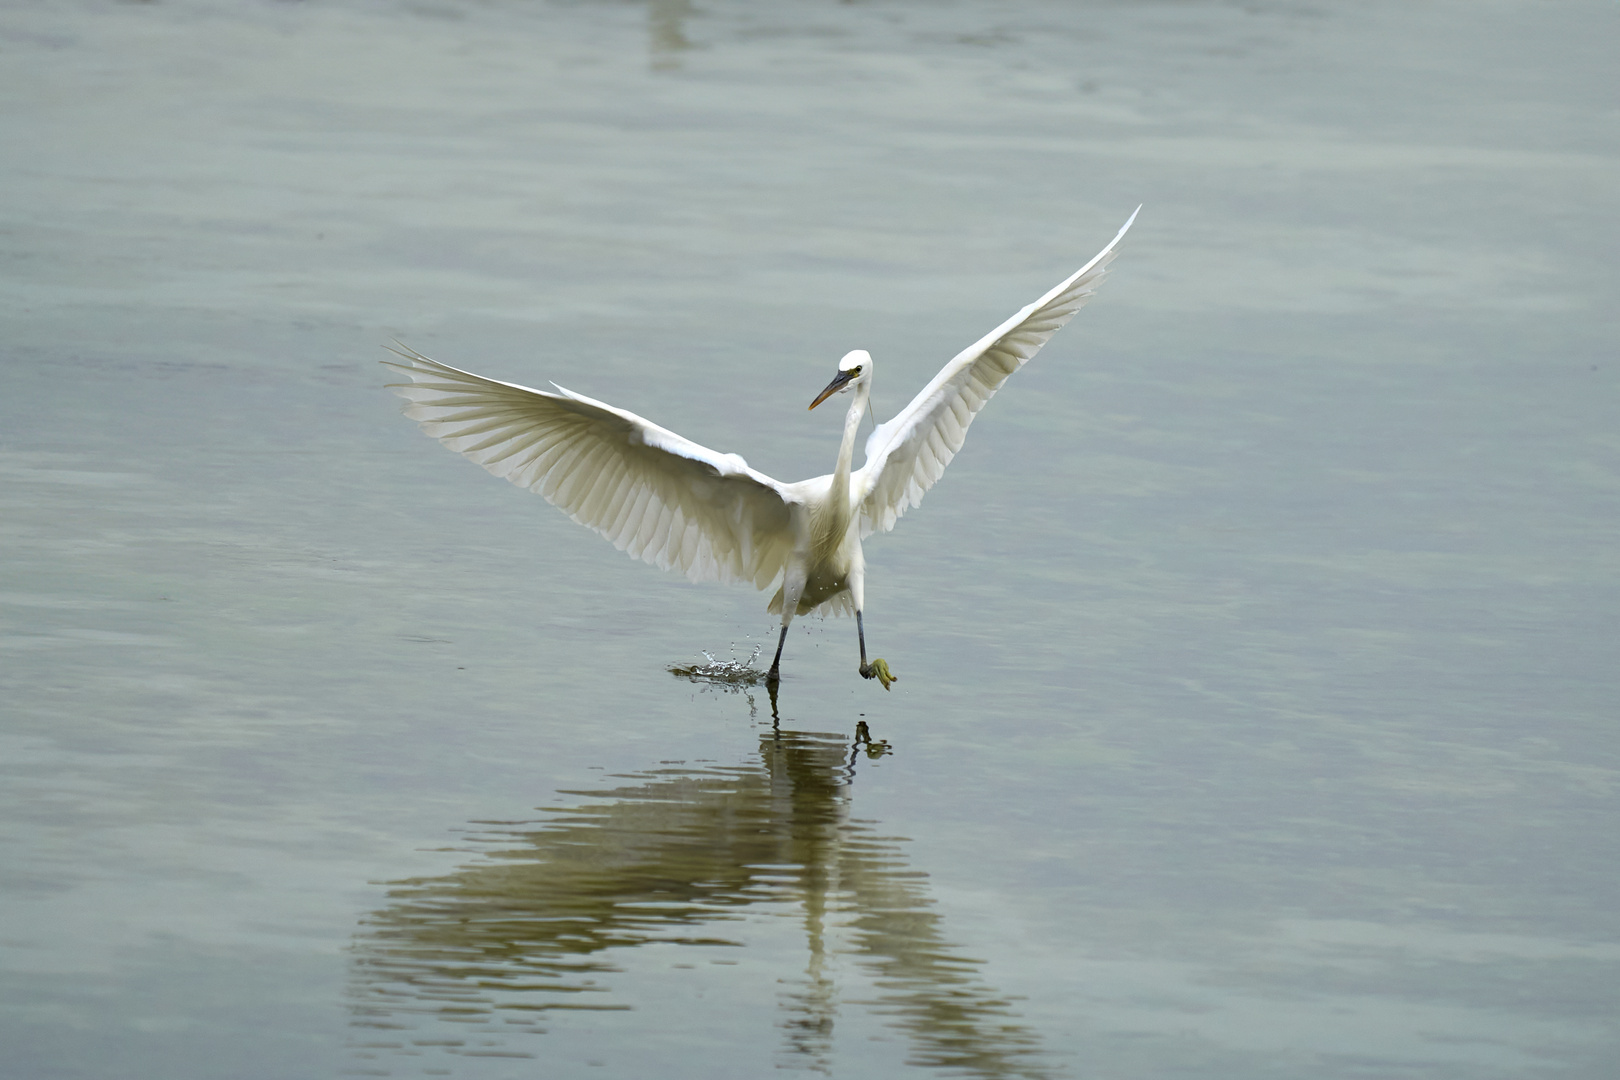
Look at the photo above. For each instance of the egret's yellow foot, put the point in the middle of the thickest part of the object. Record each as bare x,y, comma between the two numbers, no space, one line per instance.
879,670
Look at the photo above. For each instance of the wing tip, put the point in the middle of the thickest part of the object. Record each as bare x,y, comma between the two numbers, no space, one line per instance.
399,348
1123,229
416,366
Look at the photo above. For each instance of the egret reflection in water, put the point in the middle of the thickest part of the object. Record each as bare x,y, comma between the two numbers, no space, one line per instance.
512,944
666,32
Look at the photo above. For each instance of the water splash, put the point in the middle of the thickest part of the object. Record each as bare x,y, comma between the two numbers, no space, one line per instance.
732,672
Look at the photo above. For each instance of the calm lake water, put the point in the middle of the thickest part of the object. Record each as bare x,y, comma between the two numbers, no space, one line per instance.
1258,655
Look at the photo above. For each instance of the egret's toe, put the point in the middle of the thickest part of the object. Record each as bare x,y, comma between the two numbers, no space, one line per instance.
879,669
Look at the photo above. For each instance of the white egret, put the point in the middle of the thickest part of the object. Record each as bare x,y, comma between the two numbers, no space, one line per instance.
680,506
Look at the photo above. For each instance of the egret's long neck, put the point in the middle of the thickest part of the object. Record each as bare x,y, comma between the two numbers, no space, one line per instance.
846,449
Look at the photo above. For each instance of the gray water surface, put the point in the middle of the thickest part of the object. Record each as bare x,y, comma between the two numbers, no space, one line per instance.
1257,655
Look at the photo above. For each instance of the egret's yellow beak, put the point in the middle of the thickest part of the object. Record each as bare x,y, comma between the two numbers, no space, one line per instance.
833,387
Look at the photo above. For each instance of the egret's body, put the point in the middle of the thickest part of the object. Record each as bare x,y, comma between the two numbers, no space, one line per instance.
670,502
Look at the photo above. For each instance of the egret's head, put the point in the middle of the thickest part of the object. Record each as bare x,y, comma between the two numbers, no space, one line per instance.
855,368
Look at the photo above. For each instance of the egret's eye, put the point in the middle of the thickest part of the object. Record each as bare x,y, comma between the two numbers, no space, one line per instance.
854,371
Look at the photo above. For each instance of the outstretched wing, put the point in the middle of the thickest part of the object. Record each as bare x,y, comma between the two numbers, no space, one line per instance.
663,499
906,455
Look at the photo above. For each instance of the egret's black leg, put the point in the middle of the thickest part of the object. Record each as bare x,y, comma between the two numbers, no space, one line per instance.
860,631
877,669
775,674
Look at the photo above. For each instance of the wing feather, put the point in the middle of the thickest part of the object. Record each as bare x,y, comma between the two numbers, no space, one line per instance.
906,455
660,498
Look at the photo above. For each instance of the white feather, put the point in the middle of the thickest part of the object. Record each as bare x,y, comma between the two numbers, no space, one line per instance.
906,455
664,499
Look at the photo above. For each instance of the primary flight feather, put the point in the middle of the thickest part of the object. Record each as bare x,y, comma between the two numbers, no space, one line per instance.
669,501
